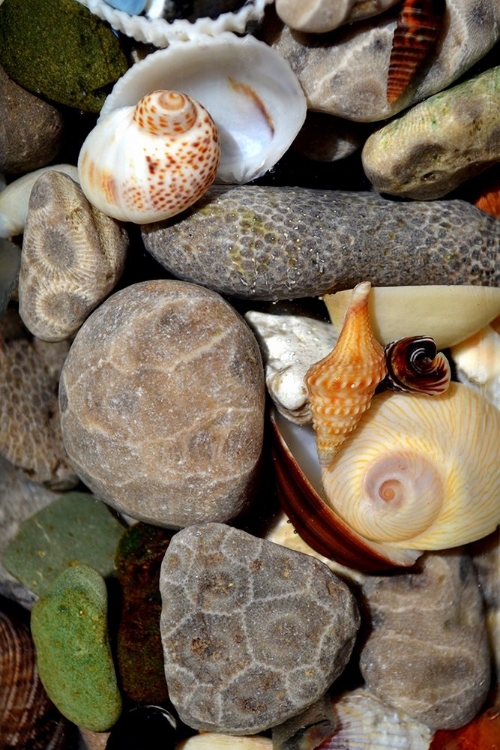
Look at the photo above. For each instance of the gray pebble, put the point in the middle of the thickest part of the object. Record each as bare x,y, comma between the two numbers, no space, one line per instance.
252,633
282,243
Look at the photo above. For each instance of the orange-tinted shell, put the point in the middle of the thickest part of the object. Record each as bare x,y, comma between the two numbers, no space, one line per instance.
152,161
489,199
482,733
341,385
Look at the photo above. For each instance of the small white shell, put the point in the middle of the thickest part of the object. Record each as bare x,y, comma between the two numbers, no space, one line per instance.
160,32
249,90
151,161
216,741
478,363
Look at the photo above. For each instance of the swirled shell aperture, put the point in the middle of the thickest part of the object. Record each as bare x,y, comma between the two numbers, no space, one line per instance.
151,161
414,365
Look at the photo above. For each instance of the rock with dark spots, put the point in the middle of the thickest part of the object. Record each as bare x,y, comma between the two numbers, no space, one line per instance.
427,653
162,404
31,130
486,558
282,243
252,633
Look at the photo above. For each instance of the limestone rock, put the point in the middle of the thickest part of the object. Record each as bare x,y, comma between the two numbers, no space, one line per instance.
162,404
30,434
252,633
320,16
31,130
486,558
283,243
345,73
427,653
73,255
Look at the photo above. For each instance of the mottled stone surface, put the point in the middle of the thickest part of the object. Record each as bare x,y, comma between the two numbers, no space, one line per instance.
139,653
73,255
427,653
252,633
76,528
162,404
30,434
283,243
70,630
345,73
486,558
31,130
438,144
320,16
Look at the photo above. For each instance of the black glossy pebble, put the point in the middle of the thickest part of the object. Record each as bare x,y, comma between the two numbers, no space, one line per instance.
144,728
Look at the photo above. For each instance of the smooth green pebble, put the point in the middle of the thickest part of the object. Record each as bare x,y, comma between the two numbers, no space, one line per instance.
69,628
74,529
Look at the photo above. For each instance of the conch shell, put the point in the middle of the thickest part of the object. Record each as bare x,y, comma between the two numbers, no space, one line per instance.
151,161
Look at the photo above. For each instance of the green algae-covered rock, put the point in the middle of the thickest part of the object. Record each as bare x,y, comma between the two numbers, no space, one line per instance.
76,528
59,49
69,627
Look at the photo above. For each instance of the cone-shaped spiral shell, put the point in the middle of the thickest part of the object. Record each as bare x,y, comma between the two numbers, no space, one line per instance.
148,162
342,384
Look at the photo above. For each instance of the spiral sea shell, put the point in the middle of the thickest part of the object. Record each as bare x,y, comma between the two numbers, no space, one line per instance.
415,366
148,162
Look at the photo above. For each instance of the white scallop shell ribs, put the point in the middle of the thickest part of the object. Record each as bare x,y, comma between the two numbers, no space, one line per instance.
151,161
250,91
161,32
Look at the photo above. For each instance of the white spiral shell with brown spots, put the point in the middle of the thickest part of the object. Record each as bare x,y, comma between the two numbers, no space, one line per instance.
151,161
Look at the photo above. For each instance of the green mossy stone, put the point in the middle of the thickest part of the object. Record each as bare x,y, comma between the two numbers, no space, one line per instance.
69,628
76,528
59,49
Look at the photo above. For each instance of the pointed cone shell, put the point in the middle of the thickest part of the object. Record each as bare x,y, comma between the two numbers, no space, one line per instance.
342,384
151,161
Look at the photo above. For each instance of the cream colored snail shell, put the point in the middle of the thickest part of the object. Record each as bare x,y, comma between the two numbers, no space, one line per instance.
148,162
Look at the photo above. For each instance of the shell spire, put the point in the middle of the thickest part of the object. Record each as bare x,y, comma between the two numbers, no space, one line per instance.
341,385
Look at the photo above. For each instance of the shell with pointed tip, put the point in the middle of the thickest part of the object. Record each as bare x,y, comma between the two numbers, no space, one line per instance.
249,90
342,384
448,314
415,366
150,161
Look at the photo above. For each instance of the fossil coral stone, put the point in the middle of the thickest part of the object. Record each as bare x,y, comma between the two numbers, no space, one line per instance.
320,16
438,144
345,73
73,255
283,243
30,434
427,653
162,404
252,633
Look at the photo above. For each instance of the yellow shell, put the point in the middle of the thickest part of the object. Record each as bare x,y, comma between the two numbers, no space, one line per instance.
420,473
342,384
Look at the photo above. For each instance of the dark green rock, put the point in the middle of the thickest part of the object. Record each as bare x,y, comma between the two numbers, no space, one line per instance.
139,650
69,627
59,49
76,528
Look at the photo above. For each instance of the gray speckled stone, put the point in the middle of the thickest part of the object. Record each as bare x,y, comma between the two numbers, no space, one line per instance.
284,243
252,633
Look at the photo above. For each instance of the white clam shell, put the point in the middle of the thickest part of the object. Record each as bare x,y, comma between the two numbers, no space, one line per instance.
160,32
249,90
478,363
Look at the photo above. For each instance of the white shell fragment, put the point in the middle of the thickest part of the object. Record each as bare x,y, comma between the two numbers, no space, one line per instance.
15,197
290,344
216,741
321,16
248,89
160,33
150,161
448,314
477,360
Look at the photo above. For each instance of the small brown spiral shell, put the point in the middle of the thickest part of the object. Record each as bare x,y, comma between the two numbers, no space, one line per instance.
414,365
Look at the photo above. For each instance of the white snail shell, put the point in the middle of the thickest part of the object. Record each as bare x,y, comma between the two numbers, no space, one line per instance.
151,161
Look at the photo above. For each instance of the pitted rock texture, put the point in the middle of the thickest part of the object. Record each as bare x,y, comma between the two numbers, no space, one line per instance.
283,243
252,633
344,73
427,653
320,16
162,404
438,144
73,255
486,559
30,434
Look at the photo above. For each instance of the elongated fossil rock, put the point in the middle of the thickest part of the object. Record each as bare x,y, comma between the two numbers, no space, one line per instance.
284,243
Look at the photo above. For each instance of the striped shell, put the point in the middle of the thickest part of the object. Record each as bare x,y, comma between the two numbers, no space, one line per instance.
415,366
151,161
342,384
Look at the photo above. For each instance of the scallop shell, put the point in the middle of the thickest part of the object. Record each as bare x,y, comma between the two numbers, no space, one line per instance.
448,314
415,366
148,162
160,32
249,90
342,384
